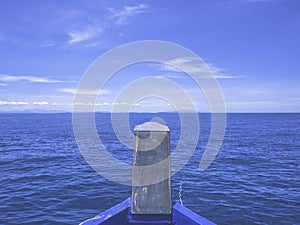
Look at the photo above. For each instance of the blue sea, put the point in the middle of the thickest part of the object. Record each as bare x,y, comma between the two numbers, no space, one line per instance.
255,179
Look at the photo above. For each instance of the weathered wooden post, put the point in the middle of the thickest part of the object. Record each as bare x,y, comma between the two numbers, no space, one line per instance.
151,185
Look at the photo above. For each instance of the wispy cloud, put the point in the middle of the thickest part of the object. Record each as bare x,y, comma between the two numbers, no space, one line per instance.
190,65
96,26
82,92
33,79
172,76
3,84
83,27
121,16
84,34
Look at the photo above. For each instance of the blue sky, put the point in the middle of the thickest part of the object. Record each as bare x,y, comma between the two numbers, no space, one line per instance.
252,46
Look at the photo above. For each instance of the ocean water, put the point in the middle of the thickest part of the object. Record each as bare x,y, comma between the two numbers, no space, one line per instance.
255,178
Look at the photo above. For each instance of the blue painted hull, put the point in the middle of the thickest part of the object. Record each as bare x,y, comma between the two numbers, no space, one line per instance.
120,215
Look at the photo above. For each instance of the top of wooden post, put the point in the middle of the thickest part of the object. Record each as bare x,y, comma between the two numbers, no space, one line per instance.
152,126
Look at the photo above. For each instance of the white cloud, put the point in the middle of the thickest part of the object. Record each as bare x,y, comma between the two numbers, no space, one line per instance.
33,79
13,103
122,15
82,92
41,103
3,84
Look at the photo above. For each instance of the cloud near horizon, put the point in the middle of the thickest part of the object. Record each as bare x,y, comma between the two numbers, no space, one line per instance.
41,103
13,103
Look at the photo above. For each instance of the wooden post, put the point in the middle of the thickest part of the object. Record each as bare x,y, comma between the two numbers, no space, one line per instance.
151,147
